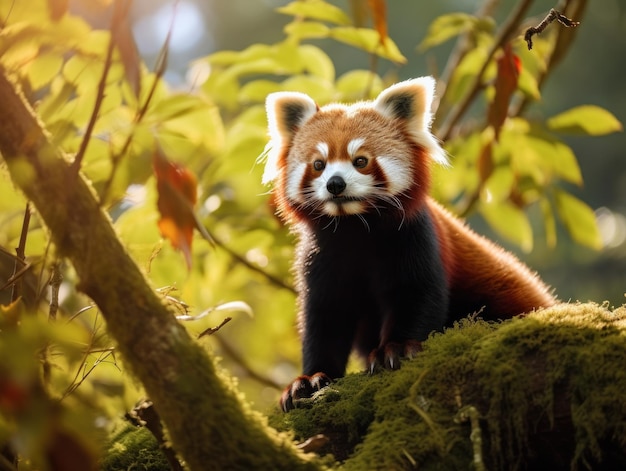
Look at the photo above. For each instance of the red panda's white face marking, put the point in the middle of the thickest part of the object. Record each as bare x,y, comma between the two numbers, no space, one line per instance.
351,160
339,187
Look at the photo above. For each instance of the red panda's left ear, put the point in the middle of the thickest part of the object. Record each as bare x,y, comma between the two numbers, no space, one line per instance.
410,102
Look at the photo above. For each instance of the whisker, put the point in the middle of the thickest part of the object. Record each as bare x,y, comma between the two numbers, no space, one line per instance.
364,221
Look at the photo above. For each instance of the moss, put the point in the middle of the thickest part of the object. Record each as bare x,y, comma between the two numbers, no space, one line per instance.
242,435
133,448
548,389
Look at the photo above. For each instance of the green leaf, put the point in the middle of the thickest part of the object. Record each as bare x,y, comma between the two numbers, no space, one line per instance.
528,85
300,30
548,222
317,10
578,218
498,186
536,153
317,62
465,73
257,91
353,85
510,222
446,27
43,69
322,91
586,120
369,40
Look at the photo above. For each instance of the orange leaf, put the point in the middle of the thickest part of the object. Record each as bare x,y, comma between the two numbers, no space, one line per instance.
177,190
509,66
379,14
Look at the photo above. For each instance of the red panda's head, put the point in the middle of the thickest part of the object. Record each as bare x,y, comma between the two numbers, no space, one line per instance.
338,160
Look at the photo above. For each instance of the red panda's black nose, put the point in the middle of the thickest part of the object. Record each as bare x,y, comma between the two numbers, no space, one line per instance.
336,185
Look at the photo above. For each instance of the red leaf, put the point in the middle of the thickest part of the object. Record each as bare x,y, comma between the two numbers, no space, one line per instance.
509,67
177,190
379,14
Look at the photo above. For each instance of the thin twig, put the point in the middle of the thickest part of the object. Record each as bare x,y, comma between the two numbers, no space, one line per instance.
145,414
55,284
5,20
20,251
241,259
56,279
503,36
212,330
15,277
239,360
550,17
118,13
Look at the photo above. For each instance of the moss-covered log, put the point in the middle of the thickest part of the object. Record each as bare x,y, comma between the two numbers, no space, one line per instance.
208,424
541,392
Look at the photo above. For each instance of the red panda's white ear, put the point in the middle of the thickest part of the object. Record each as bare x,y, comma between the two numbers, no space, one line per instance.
286,113
410,102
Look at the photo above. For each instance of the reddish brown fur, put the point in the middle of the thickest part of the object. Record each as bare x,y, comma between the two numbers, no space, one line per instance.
476,265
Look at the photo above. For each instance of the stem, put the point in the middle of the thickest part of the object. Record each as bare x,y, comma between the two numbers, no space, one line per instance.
76,164
457,112
160,67
20,251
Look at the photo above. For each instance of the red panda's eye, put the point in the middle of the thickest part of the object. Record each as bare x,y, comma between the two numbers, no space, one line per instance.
360,162
319,165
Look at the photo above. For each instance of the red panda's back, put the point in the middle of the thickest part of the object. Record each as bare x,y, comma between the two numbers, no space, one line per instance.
483,275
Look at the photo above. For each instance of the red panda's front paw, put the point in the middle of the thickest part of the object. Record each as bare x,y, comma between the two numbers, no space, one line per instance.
302,387
389,355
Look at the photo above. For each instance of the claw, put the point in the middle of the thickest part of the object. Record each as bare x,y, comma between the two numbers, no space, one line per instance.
302,387
388,356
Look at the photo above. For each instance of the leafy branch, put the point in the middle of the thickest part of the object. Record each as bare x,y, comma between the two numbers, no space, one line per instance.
444,132
118,13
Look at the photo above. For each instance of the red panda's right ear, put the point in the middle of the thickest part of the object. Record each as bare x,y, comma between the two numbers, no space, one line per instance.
286,112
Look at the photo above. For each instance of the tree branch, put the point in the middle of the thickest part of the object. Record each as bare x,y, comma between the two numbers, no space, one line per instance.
457,112
206,421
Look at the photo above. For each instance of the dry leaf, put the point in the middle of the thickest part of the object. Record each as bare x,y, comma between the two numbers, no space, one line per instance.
177,193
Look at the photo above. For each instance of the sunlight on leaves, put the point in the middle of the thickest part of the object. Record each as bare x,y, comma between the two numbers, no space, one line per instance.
448,26
317,10
370,41
509,221
585,120
578,218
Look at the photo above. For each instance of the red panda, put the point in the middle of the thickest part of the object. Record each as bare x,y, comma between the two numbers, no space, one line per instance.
379,264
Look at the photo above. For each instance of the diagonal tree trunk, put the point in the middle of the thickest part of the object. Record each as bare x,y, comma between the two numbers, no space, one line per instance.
207,423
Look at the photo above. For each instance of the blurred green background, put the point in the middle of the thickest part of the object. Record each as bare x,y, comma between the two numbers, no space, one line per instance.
593,72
